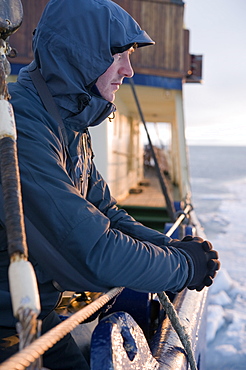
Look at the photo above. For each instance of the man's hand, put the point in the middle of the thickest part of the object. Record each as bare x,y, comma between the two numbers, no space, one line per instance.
204,258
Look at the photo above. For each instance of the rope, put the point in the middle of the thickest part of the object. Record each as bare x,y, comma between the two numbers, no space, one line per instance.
29,354
25,310
27,318
14,220
180,330
169,308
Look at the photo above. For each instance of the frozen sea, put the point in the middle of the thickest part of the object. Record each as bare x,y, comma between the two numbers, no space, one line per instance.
218,181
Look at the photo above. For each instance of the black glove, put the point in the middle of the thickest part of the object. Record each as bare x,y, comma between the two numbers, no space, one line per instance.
204,258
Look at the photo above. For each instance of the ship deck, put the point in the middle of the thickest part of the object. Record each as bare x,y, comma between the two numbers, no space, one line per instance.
146,202
147,193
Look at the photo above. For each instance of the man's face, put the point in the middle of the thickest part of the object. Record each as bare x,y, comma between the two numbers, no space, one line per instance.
109,82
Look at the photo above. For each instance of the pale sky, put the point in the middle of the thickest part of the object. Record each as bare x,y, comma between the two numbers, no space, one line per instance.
215,111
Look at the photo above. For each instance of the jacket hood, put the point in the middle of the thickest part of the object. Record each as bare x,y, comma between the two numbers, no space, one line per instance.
73,45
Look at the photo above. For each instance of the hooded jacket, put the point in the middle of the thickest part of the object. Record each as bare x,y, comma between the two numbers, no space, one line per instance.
77,237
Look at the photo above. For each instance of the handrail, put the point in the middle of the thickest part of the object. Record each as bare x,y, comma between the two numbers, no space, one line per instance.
179,220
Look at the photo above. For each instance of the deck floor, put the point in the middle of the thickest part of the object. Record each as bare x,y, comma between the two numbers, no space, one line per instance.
150,196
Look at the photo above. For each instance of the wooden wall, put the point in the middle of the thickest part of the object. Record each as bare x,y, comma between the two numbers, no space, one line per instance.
162,19
22,39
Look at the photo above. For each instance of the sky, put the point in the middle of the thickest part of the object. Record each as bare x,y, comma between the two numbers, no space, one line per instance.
215,111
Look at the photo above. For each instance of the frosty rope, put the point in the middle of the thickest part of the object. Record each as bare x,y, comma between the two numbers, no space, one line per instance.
170,310
180,330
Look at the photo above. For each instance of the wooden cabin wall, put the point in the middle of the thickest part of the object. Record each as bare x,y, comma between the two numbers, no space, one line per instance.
162,19
22,39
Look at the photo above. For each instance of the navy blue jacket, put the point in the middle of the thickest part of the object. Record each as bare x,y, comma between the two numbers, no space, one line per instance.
77,237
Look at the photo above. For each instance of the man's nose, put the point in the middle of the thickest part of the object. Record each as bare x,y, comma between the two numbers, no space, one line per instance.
126,69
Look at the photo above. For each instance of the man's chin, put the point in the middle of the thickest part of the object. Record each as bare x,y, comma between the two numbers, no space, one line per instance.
112,98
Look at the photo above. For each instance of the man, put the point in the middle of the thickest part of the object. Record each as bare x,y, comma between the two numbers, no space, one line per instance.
82,49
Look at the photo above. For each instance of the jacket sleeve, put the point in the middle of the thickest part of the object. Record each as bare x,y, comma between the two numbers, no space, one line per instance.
86,235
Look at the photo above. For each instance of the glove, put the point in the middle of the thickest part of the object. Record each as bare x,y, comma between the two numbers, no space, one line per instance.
204,258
